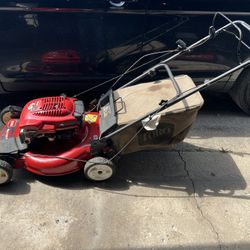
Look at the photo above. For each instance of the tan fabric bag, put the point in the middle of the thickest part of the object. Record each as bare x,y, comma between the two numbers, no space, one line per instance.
141,99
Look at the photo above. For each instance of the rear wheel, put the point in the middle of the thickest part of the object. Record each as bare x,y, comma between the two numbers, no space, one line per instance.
6,172
9,113
241,91
99,169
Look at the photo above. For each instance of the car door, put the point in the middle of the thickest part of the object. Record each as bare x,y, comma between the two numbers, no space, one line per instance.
189,21
50,44
124,32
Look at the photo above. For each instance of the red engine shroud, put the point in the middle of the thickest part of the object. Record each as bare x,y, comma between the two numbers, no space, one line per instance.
49,114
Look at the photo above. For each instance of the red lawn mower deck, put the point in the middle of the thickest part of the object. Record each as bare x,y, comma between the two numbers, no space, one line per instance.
49,132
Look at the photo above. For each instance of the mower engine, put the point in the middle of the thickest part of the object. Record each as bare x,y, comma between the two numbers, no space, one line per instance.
51,117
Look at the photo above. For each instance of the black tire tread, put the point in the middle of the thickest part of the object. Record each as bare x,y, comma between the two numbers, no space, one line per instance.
8,168
7,109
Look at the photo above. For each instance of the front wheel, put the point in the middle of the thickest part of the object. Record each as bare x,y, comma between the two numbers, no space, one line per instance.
10,112
241,91
6,172
99,169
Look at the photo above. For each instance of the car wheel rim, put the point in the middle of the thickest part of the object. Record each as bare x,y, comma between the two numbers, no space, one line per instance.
100,172
3,176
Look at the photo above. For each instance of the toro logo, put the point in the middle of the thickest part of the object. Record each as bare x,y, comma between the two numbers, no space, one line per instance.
162,135
34,106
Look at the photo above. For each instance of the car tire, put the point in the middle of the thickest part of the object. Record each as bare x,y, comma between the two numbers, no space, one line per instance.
6,172
240,92
10,112
99,169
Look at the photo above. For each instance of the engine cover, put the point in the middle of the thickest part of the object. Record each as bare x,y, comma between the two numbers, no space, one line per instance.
51,114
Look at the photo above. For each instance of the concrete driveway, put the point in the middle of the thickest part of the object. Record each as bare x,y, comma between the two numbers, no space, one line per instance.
195,195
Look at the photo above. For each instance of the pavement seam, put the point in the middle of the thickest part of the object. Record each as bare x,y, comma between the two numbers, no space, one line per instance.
196,201
200,150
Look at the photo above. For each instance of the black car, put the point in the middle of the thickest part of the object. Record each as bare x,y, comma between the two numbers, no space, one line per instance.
60,44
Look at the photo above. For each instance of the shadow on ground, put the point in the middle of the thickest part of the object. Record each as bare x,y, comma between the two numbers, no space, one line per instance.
212,173
180,174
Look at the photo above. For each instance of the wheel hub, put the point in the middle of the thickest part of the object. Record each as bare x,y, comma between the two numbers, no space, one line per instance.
6,117
3,176
100,172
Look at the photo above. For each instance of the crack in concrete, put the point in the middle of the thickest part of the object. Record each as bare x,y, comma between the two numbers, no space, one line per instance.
196,201
201,150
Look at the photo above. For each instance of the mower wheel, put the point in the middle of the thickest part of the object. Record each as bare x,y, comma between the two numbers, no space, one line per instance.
10,112
6,172
99,169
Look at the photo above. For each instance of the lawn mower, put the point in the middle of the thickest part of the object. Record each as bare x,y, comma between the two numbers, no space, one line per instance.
56,135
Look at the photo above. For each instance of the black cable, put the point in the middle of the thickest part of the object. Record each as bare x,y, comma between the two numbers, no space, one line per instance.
165,53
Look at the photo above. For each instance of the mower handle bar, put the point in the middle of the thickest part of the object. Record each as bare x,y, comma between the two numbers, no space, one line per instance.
152,71
211,36
180,96
188,49
167,103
